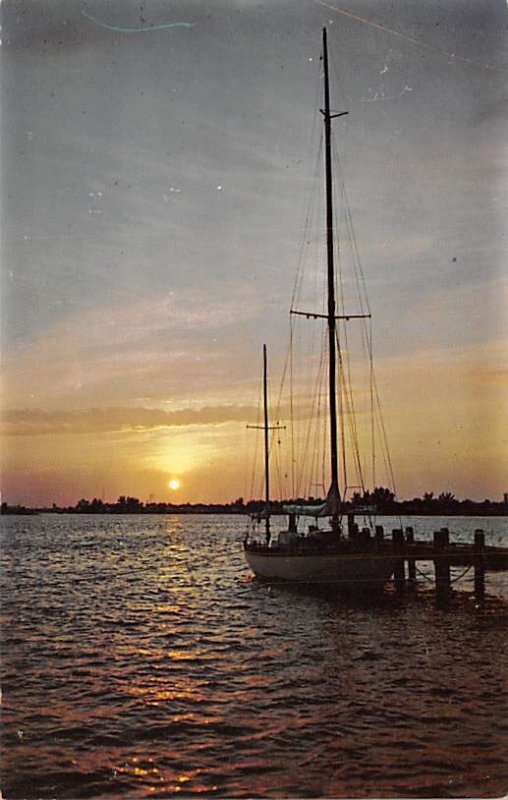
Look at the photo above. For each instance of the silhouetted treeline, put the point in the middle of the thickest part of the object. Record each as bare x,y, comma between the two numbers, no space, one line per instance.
381,500
6,509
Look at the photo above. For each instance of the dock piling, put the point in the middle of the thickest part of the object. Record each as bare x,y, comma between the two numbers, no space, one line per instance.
479,565
442,563
411,563
399,571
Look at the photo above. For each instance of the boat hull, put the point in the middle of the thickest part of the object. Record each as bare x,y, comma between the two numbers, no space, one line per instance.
347,570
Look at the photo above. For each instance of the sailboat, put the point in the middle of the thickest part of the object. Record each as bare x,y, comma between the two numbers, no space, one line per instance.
340,555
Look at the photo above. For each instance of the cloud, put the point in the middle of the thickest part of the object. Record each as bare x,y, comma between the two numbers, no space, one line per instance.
36,422
172,347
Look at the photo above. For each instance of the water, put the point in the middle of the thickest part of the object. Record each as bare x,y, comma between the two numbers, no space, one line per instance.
140,659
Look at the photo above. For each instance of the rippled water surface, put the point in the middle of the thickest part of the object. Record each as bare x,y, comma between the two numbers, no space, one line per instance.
141,659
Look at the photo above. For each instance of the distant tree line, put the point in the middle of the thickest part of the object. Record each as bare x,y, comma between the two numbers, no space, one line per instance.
381,500
444,504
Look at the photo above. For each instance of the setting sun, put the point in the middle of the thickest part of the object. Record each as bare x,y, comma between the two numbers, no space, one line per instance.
174,484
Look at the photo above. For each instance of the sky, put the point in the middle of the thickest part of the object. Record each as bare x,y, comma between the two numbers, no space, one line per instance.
156,167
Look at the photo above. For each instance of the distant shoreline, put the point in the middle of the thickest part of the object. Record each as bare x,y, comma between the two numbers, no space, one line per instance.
380,502
467,508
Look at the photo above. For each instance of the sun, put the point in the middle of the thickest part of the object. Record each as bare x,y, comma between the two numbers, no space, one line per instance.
174,484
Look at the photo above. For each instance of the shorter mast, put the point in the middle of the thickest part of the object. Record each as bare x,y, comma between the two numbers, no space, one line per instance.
267,451
266,427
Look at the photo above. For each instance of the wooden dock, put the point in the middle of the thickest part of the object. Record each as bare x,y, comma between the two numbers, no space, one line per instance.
444,555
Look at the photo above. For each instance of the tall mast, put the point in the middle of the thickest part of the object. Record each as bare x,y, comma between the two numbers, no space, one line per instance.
332,367
330,316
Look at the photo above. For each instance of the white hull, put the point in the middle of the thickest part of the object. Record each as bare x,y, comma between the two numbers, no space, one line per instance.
353,570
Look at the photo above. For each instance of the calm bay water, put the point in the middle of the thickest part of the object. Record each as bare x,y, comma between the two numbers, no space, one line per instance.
140,659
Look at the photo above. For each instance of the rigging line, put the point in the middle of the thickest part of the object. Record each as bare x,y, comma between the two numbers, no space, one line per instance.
339,276
255,480
274,447
410,39
312,199
363,299
313,429
280,409
386,449
337,83
302,389
367,341
340,292
297,285
359,278
274,454
344,408
314,195
366,327
387,455
314,354
342,383
353,424
353,430
317,424
314,416
363,296
325,436
304,254
247,478
279,412
341,413
346,396
325,433
384,445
